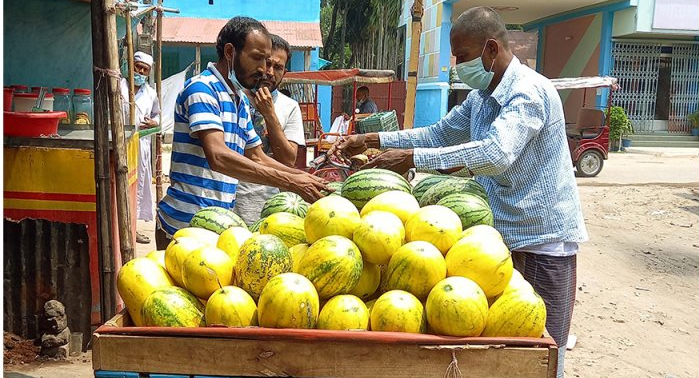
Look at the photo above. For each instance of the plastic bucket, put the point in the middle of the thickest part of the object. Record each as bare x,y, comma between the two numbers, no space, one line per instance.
24,102
7,98
22,124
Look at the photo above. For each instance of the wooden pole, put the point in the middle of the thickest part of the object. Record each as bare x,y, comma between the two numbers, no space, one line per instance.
105,256
130,52
197,59
416,12
126,235
158,89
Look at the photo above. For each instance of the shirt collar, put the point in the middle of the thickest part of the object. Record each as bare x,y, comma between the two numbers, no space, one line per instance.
238,95
501,92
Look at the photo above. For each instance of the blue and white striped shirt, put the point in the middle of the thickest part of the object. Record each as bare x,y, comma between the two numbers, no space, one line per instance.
205,103
513,139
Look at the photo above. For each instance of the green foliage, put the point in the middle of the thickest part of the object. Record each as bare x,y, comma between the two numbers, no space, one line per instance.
694,119
619,123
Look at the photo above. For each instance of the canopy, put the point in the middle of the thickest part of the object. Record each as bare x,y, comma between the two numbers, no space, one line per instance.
340,77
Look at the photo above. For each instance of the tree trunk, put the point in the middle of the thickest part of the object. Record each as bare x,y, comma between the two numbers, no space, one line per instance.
343,33
327,50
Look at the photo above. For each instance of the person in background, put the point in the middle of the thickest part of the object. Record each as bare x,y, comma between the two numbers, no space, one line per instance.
510,134
214,142
277,121
365,105
147,116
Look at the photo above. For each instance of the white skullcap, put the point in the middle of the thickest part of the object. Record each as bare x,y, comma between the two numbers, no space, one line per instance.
140,56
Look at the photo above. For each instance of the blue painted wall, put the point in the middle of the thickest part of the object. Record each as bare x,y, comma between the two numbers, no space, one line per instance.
430,103
278,10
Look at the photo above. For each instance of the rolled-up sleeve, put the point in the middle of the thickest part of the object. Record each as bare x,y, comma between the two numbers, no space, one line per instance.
518,122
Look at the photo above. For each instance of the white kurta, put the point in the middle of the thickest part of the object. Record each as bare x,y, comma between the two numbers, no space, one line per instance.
146,106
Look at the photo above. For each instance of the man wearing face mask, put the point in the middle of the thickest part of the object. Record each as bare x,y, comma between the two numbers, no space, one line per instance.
278,123
214,142
147,116
365,105
510,134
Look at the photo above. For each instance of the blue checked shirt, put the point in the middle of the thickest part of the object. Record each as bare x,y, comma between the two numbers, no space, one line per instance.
513,139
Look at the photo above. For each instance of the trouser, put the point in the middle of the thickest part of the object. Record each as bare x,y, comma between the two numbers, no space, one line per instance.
554,279
162,239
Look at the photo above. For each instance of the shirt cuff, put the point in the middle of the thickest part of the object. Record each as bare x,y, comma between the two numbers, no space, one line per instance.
427,158
389,139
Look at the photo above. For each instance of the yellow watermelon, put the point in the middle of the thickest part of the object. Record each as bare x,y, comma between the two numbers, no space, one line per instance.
231,306
172,307
415,267
482,230
331,215
137,280
344,312
457,306
285,226
231,239
261,257
398,202
206,236
486,260
398,311
297,253
177,251
206,270
434,224
333,264
288,300
368,282
517,313
378,236
158,257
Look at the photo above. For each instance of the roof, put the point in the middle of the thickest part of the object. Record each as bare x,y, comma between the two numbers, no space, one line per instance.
205,31
340,77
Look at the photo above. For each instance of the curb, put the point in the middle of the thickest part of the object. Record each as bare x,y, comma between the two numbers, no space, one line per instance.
641,151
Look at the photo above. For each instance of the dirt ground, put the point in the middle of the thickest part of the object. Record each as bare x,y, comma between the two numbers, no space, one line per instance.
637,306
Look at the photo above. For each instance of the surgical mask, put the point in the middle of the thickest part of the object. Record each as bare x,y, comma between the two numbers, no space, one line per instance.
473,74
138,79
237,86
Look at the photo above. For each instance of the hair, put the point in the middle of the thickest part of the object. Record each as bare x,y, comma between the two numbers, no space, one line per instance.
236,32
279,43
481,24
285,92
363,89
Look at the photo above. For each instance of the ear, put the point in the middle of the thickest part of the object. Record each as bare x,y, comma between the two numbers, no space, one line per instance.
492,48
229,51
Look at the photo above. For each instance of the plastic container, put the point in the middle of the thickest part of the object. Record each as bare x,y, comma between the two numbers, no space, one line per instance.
24,102
62,102
22,124
7,94
82,106
75,345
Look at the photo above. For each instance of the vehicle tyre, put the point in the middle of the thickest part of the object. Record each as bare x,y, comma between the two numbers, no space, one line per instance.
589,164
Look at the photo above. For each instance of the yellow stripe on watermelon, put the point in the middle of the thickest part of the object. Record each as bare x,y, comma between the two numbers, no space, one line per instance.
288,300
344,312
398,311
415,267
378,236
485,260
231,240
285,226
434,224
517,313
368,282
400,203
457,306
331,215
297,253
231,306
333,264
176,253
206,270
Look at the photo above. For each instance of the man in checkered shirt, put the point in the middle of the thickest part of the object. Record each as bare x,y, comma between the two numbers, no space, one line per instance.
510,134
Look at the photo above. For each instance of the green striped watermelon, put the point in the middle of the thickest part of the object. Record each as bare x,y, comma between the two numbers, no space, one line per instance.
216,219
364,185
336,186
260,258
285,202
172,307
334,265
255,227
470,208
421,187
285,226
447,187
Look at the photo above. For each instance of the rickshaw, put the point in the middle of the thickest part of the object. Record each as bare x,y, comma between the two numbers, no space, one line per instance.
588,137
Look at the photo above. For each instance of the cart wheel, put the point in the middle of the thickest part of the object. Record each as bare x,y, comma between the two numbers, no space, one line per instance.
589,164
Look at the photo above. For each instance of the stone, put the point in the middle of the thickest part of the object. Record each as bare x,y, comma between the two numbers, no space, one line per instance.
54,308
48,340
54,324
60,352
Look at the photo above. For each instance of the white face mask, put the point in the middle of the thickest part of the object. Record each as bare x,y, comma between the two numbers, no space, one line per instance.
237,86
473,74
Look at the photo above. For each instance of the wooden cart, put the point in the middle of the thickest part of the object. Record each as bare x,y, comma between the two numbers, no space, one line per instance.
119,349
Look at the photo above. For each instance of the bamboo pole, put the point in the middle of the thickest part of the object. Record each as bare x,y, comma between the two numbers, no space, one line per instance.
159,90
129,52
126,235
416,12
105,256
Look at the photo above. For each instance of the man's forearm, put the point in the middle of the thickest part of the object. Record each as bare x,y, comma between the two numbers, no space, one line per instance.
244,169
272,163
283,150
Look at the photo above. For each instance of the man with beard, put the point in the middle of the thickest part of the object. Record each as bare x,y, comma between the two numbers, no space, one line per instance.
214,142
278,123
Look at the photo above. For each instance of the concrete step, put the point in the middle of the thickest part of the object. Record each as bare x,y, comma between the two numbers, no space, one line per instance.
663,137
665,143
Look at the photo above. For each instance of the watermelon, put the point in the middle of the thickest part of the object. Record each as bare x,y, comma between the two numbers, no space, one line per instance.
331,215
364,185
216,219
336,186
447,187
471,209
260,258
285,226
137,280
172,307
421,187
286,202
517,313
255,227
415,267
457,306
484,259
289,300
398,311
334,265
344,312
231,306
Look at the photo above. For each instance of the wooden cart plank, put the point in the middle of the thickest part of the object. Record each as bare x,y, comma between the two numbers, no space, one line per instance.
298,358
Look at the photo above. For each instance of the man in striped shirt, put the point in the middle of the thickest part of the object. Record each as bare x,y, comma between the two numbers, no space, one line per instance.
214,142
510,134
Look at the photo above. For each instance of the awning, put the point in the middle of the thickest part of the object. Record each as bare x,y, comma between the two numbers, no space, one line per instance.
204,31
340,77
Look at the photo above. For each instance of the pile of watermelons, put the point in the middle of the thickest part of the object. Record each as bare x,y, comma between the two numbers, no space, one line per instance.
377,254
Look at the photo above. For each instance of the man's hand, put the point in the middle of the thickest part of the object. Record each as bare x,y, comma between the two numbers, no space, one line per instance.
308,186
148,123
347,146
263,101
399,161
